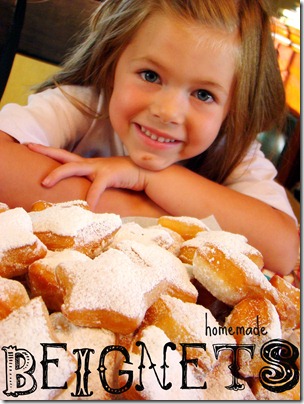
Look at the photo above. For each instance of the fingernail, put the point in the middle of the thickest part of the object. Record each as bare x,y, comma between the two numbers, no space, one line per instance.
45,182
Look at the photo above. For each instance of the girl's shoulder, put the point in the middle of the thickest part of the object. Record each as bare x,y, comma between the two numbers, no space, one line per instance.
70,93
255,176
53,117
253,165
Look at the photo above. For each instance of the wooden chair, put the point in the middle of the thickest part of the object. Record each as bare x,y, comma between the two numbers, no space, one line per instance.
41,29
287,42
285,151
51,27
12,13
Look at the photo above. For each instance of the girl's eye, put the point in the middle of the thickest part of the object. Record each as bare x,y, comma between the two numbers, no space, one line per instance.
150,76
204,95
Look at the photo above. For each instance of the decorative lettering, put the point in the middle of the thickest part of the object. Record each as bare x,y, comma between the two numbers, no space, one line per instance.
283,374
82,377
20,366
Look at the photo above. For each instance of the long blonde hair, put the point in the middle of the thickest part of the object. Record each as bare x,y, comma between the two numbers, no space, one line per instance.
258,102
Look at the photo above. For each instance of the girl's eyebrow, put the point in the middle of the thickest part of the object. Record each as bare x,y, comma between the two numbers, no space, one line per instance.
149,60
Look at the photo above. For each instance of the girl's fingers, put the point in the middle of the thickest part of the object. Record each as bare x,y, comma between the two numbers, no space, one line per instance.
65,171
96,189
60,155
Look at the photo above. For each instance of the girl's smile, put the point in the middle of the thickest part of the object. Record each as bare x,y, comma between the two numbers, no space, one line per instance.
156,135
172,89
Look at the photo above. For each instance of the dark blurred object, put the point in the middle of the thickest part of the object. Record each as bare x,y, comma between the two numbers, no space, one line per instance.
51,27
276,6
217,308
284,149
12,14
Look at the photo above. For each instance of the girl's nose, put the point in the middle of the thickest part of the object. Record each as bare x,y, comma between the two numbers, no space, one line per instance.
169,107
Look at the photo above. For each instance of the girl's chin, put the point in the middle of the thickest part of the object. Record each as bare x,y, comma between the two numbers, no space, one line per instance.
151,163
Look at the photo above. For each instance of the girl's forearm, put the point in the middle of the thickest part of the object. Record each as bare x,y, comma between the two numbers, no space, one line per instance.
22,172
182,192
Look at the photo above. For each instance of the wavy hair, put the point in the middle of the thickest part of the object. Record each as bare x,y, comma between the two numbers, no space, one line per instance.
258,101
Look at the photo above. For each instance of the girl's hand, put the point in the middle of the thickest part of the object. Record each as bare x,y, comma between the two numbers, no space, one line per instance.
110,172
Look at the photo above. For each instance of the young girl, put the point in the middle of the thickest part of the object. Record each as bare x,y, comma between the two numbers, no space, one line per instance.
157,113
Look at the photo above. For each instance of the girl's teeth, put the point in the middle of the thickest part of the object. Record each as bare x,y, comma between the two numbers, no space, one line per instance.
156,138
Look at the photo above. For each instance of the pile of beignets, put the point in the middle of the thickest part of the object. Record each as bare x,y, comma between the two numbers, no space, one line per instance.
159,293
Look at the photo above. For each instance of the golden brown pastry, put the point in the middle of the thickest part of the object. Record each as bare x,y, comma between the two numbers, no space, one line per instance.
219,378
139,285
113,291
96,339
3,207
233,241
186,226
42,276
261,393
288,305
155,339
163,237
254,321
12,296
295,338
229,275
26,328
187,323
72,225
19,246
163,265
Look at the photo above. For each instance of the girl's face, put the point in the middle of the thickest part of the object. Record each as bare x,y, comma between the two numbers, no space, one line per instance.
172,89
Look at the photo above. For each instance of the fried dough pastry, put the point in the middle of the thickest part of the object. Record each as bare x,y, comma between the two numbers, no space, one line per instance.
186,226
42,276
41,205
263,394
114,292
254,321
288,305
295,338
164,265
163,237
187,323
155,340
219,378
3,207
72,225
229,275
96,339
12,296
173,287
19,246
233,241
27,327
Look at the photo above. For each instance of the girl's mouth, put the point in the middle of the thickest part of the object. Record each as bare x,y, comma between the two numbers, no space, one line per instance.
156,138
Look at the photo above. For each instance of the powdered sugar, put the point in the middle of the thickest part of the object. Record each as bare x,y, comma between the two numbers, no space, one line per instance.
121,280
69,220
161,262
253,274
10,287
232,241
26,328
193,317
155,340
16,230
109,282
83,337
54,258
192,221
156,234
